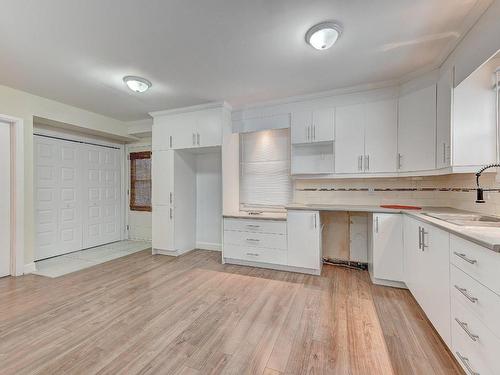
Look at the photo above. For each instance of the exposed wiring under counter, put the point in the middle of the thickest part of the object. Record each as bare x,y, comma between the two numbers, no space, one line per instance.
346,264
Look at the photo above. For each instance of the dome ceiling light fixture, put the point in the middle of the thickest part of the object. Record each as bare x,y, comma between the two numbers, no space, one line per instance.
137,84
323,35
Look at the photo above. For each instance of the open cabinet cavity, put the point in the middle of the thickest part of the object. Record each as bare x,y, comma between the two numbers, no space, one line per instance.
187,200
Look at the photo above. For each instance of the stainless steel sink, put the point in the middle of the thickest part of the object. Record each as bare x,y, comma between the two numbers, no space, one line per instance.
466,219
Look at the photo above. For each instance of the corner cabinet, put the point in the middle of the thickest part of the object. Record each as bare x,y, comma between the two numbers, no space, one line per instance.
417,130
427,271
304,240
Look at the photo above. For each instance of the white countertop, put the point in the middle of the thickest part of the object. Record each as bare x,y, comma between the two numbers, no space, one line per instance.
261,216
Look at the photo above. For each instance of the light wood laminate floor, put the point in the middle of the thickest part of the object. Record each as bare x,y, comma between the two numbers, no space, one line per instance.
145,314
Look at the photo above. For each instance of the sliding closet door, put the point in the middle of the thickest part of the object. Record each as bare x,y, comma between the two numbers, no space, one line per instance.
5,199
101,200
58,196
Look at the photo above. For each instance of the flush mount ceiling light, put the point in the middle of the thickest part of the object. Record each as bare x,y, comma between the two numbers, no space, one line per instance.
137,84
323,35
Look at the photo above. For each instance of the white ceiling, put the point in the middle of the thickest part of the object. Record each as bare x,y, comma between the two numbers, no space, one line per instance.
242,51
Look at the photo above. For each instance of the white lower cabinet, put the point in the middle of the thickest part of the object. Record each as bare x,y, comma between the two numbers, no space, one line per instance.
304,240
385,248
427,270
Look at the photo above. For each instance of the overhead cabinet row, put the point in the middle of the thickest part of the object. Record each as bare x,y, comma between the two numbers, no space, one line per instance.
188,130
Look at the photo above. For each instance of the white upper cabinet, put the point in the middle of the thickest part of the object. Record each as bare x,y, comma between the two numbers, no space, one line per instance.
417,130
444,118
162,181
188,129
313,126
349,138
366,137
381,136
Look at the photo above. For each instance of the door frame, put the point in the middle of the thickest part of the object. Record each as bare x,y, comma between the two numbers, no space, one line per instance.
17,196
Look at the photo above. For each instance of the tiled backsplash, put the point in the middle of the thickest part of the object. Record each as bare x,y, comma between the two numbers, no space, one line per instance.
456,191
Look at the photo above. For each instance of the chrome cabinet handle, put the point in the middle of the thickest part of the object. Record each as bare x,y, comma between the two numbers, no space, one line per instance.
400,163
198,138
420,238
466,363
465,327
170,197
170,141
464,257
423,239
315,224
253,226
367,162
171,214
360,162
308,133
193,139
466,294
252,240
376,224
444,153
253,254
314,132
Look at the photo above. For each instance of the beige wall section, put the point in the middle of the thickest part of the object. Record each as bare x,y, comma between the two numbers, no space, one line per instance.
139,222
23,105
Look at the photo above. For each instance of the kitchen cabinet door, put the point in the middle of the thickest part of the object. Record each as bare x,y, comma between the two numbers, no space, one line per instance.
304,239
161,132
208,130
444,118
323,122
381,136
349,139
162,177
434,275
417,130
387,247
183,131
301,127
413,255
162,228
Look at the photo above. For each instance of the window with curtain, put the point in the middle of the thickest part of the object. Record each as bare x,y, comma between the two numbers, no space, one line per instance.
265,180
140,181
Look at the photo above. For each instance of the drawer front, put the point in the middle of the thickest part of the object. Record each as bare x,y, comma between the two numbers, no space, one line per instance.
474,341
476,261
256,254
477,298
256,226
269,240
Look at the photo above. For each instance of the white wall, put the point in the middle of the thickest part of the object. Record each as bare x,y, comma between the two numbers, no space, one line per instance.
139,222
208,201
23,105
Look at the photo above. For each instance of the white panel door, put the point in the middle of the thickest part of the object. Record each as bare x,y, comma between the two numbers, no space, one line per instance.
444,118
101,198
5,200
208,128
349,138
381,136
304,247
388,247
301,127
57,196
323,125
417,130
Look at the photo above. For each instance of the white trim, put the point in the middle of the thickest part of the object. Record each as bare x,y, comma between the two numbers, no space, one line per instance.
391,283
17,194
209,246
193,108
29,268
173,253
271,266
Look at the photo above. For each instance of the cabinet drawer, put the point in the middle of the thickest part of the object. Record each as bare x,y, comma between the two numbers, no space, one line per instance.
257,226
478,262
254,239
473,340
477,298
256,254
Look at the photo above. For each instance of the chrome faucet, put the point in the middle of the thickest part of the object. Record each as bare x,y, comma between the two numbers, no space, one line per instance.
479,190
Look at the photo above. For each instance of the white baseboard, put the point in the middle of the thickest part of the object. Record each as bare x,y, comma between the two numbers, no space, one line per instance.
173,253
278,267
29,268
209,246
